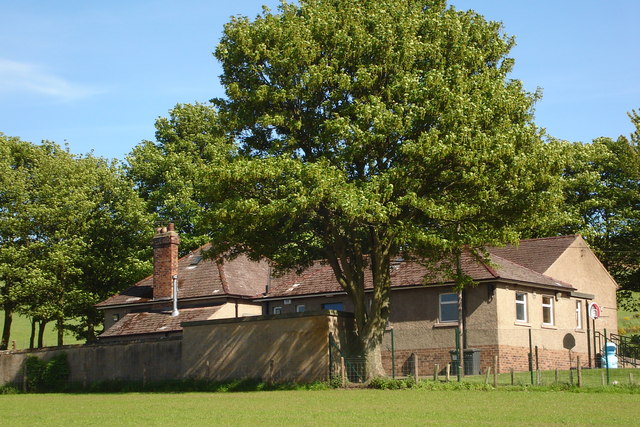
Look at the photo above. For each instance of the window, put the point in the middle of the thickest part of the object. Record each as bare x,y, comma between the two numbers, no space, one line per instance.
448,308
578,314
116,317
547,310
300,308
277,310
521,307
338,306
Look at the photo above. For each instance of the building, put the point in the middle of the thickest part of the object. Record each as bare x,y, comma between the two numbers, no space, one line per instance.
537,292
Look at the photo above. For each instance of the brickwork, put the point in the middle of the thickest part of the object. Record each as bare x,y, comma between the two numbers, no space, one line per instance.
509,357
165,261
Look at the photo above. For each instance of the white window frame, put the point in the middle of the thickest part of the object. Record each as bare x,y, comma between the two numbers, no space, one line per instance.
548,306
523,303
578,314
277,310
441,303
300,308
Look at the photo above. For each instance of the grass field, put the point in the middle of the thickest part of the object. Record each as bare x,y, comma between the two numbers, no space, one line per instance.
327,407
21,331
629,321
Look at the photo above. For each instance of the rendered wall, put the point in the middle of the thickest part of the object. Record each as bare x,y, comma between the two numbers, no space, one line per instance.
579,266
293,347
130,361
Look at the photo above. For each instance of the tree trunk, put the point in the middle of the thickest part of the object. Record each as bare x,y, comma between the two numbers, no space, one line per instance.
32,337
6,329
60,328
41,326
91,333
461,328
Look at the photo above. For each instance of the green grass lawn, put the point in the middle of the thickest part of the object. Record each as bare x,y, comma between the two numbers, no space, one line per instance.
21,331
629,321
327,407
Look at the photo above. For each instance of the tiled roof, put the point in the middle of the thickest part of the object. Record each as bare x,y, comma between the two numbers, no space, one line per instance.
199,277
536,254
320,279
153,322
243,277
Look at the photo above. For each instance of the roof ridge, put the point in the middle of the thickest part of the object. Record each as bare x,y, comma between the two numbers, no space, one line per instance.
564,236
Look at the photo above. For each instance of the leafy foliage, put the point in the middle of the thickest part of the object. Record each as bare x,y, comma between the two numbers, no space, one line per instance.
369,130
166,172
47,376
72,232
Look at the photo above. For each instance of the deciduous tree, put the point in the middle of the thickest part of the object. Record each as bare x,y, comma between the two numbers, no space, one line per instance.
369,130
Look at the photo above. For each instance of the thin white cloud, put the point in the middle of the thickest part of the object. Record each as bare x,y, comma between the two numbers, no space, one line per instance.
19,77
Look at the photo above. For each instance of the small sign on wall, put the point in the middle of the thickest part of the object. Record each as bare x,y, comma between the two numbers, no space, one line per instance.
594,310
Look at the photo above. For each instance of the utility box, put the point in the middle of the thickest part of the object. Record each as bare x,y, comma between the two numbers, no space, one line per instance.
609,357
471,361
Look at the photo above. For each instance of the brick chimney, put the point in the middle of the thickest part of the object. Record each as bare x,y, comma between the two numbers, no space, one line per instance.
165,261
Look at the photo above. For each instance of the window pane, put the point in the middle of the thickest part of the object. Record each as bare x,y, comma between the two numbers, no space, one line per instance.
521,312
448,312
333,306
520,296
546,315
449,298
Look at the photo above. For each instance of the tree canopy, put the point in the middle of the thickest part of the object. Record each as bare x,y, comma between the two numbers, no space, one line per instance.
72,232
368,130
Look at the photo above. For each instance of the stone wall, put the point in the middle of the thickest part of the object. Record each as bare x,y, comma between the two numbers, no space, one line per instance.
291,347
128,361
288,347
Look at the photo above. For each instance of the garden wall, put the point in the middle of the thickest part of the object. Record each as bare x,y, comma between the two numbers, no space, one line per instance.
129,361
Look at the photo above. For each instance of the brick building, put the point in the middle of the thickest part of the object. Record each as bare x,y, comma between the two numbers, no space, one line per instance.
541,288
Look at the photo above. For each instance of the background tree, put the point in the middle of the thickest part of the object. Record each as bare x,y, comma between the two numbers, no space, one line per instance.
165,172
369,130
601,183
72,232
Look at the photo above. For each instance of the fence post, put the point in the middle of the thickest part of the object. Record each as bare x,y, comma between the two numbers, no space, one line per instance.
415,366
495,371
570,376
530,357
458,354
602,376
436,368
631,378
513,377
556,375
538,377
343,372
606,355
486,376
448,372
579,371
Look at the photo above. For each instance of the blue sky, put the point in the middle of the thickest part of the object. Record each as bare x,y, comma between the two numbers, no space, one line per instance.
98,74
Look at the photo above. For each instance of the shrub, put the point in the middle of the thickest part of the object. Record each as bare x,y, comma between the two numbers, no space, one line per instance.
47,376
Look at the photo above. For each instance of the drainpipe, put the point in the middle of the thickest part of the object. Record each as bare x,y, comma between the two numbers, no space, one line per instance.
175,311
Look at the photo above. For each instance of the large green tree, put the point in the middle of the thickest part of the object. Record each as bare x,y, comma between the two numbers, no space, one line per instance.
369,130
166,172
72,232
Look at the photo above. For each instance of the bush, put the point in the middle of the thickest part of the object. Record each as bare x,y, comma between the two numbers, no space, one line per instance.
392,384
47,376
